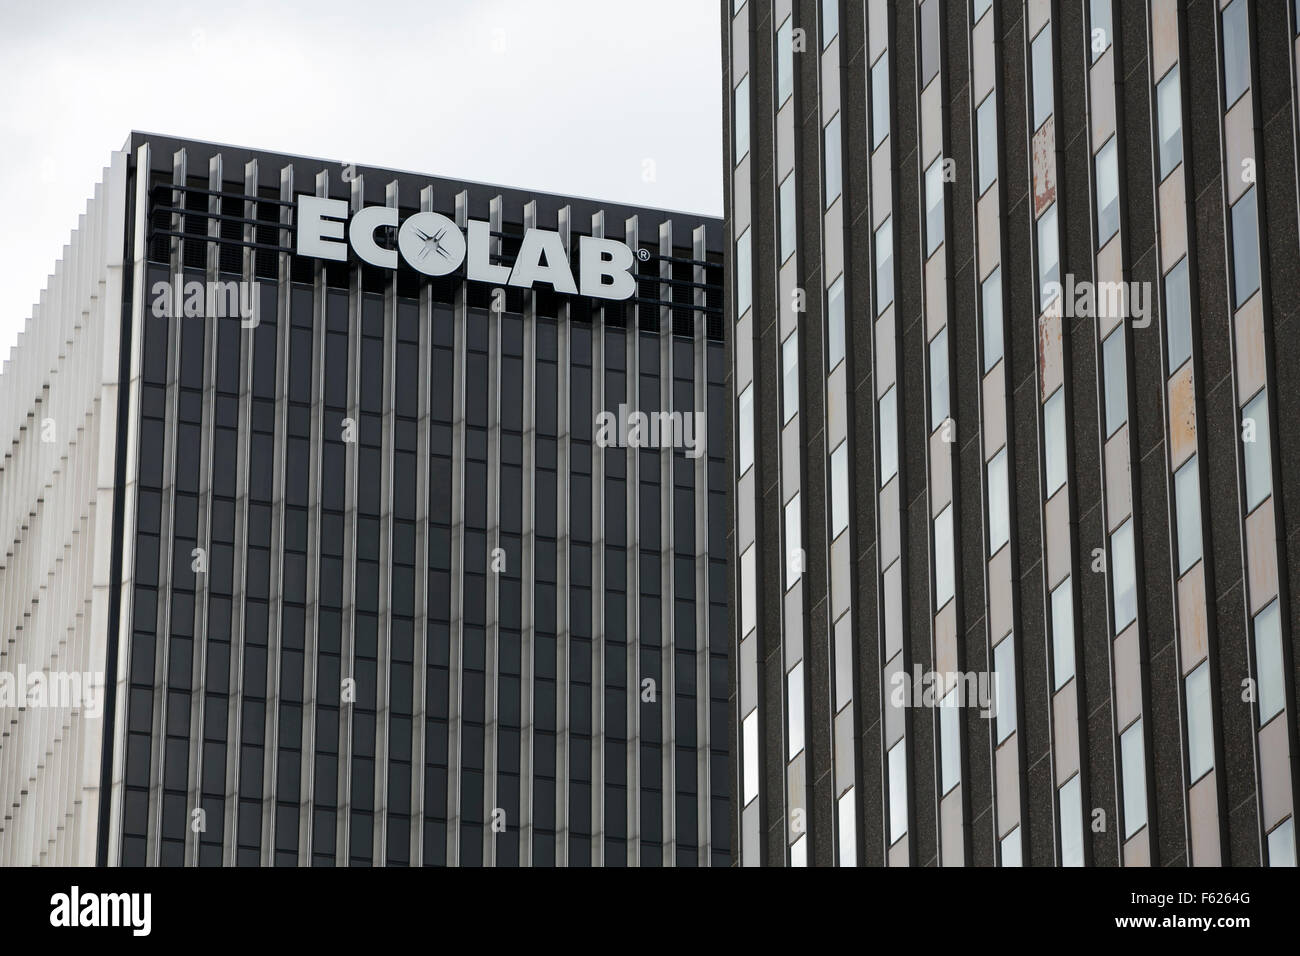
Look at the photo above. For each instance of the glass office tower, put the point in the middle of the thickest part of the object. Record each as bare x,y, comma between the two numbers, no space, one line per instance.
368,582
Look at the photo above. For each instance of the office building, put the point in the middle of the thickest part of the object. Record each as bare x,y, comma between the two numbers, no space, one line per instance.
312,464
1014,296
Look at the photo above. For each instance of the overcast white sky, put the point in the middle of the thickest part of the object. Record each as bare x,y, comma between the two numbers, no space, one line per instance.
565,96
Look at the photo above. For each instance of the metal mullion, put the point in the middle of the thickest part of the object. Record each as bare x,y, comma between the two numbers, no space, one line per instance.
420,623
311,610
528,595
563,552
631,234
703,595
347,627
153,844
597,738
456,614
275,587
667,689
492,579
383,650
203,538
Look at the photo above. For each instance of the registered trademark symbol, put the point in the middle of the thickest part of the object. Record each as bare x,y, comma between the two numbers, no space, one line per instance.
643,255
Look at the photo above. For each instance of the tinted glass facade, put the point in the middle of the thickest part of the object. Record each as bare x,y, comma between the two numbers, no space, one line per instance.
389,595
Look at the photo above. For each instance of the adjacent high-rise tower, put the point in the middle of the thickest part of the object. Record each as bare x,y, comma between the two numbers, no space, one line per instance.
1014,294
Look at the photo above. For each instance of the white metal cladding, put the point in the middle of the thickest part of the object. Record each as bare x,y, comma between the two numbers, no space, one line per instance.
58,411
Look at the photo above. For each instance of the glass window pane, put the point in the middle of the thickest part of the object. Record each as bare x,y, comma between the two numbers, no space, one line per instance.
1123,575
843,662
1255,441
848,830
746,428
1187,498
1236,56
1115,379
790,377
794,702
830,21
999,502
793,543
939,379
1004,664
987,130
992,318
944,571
929,41
748,584
1107,192
789,222
1200,721
934,206
880,100
1054,440
1049,264
888,435
1134,770
1011,848
884,265
835,322
950,740
1169,104
799,852
1178,313
740,114
839,489
1281,844
744,275
1268,663
784,61
981,7
750,756
1042,67
833,160
1062,634
1099,21
1245,247
897,791
1070,807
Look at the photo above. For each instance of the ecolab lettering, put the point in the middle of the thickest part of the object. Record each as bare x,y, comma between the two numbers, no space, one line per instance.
431,243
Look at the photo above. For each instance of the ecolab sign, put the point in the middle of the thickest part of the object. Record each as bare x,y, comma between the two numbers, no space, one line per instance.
433,244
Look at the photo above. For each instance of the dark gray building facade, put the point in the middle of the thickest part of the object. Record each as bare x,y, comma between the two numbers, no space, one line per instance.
1014,302
383,589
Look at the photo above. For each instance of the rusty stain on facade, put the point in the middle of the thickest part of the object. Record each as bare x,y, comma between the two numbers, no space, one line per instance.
1049,352
1182,416
1044,166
